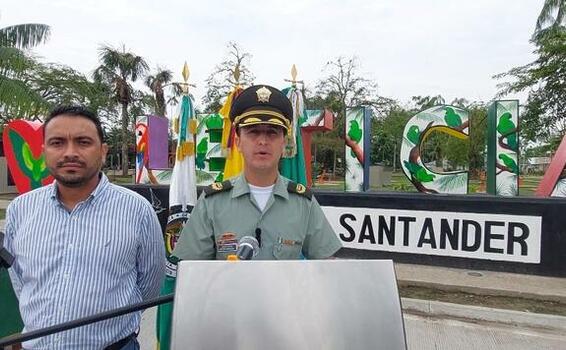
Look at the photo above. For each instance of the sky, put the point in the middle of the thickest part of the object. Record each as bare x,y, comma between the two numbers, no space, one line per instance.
409,47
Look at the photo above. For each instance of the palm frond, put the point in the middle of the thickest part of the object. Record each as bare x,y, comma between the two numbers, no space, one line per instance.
429,117
204,177
507,187
14,62
18,99
548,9
453,183
24,36
214,151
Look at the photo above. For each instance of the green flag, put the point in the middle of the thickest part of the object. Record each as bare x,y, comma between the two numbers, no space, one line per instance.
182,199
292,165
10,322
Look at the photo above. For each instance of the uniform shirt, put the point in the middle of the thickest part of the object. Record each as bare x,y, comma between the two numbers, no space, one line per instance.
106,253
292,225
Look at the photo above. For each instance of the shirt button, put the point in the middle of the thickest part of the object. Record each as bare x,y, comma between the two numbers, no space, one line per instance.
66,275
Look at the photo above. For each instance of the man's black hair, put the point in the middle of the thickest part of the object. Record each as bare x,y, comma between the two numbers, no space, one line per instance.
78,111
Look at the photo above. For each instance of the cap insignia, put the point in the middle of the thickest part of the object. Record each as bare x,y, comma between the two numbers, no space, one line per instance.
263,94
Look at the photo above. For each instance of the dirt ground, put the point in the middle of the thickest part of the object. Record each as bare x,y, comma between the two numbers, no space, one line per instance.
492,301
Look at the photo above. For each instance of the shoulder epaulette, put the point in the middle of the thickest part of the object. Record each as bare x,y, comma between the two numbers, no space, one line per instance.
299,189
217,187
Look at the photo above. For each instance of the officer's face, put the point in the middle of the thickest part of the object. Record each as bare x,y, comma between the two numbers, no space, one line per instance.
73,151
261,146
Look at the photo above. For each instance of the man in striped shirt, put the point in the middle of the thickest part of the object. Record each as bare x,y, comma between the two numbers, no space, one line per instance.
82,245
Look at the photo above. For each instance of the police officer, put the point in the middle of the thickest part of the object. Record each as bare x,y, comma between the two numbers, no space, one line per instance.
284,216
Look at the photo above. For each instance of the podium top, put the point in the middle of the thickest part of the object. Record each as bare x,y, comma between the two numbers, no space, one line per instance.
322,304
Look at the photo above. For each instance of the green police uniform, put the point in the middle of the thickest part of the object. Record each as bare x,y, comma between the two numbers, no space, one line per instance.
291,226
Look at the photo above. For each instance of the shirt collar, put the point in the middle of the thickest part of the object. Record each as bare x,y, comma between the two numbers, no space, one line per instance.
102,184
241,187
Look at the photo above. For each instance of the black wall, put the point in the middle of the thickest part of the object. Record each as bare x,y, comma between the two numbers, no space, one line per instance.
551,210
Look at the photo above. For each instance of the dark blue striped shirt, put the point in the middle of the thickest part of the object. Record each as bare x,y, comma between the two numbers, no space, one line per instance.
106,253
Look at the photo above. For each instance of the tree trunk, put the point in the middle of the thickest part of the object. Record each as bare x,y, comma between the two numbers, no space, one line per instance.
334,166
314,162
394,156
125,139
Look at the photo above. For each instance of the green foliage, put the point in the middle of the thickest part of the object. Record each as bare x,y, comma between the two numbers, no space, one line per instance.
24,36
425,102
117,69
17,97
387,136
544,113
156,82
546,15
450,183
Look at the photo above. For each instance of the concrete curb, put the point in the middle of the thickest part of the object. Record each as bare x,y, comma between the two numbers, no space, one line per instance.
484,314
483,290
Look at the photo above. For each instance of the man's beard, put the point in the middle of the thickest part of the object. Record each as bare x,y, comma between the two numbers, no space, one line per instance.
73,180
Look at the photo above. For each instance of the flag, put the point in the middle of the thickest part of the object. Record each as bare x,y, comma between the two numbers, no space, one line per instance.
234,160
11,321
182,199
292,165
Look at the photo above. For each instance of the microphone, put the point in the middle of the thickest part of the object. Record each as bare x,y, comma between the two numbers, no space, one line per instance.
248,247
6,259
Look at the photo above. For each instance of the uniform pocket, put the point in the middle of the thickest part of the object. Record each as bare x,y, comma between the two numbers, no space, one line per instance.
287,249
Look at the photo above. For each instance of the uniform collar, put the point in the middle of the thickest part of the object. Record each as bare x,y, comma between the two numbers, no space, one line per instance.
241,187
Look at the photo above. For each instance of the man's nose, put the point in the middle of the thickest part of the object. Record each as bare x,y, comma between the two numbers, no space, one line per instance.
70,150
263,137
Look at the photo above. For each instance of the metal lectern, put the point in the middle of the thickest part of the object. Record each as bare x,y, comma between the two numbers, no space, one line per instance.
323,304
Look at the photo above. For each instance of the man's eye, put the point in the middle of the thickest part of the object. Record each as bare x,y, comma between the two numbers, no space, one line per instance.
84,142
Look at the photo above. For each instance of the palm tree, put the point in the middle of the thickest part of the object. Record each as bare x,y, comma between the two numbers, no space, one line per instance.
546,14
424,102
156,83
120,67
16,97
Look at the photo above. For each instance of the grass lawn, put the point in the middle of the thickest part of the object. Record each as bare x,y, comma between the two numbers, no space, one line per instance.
400,183
119,179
